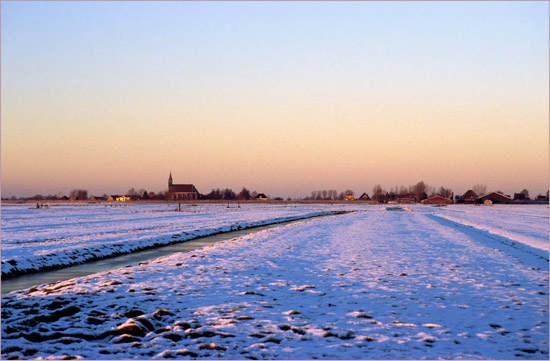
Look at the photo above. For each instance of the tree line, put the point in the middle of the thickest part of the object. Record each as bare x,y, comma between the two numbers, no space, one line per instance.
418,191
229,194
327,195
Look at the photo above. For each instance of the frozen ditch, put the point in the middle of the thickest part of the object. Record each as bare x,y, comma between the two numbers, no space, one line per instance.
61,238
131,259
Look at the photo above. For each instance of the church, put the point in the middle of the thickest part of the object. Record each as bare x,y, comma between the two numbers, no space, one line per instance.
181,192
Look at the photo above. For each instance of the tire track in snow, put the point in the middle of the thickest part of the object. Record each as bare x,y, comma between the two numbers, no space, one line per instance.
526,253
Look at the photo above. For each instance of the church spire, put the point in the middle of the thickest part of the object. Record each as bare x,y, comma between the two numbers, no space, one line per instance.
170,179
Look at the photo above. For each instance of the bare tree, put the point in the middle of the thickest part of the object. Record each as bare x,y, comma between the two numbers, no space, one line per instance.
214,194
444,192
480,189
525,193
228,194
81,194
244,194
378,193
419,190
131,192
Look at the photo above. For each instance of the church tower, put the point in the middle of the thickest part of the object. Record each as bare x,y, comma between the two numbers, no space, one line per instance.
170,180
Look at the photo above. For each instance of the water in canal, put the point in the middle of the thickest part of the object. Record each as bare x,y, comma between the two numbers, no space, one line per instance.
26,281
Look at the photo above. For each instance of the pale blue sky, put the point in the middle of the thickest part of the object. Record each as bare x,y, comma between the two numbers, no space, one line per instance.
282,97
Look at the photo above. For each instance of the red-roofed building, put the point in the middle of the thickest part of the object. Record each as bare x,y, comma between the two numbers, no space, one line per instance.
437,200
469,197
494,198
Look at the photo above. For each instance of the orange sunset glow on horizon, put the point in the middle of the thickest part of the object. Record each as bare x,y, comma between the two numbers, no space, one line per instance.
283,98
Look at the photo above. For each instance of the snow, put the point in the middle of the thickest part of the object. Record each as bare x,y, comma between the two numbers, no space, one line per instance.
41,239
371,284
524,224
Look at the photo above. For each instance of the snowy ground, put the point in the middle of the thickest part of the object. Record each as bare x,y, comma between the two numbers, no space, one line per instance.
518,223
39,239
373,284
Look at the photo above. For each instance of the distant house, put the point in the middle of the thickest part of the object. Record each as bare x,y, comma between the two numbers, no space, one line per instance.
469,197
123,198
64,198
112,197
364,197
72,199
97,199
437,200
349,197
405,199
261,197
494,198
181,192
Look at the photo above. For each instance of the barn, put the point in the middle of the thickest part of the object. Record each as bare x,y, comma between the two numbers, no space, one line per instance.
469,197
494,198
437,200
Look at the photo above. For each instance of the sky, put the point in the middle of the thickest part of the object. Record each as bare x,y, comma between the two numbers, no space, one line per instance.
280,97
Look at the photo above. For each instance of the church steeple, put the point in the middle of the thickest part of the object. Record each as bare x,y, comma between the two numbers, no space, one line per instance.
170,179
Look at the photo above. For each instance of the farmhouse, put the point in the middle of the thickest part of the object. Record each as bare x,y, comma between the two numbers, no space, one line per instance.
437,200
364,197
261,197
405,199
469,197
493,198
183,192
349,197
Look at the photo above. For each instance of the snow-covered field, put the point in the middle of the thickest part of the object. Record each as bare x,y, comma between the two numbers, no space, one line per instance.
523,224
39,239
459,282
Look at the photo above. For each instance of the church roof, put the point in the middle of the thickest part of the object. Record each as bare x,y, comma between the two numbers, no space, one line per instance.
185,188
